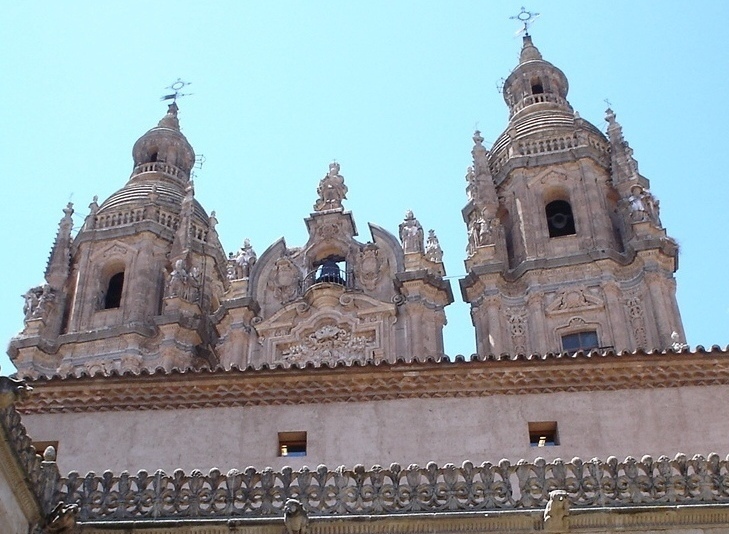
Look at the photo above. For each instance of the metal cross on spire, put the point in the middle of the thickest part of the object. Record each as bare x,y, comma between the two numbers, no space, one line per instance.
176,87
525,17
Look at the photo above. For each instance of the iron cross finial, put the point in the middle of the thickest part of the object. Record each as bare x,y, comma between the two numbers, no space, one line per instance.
176,87
526,18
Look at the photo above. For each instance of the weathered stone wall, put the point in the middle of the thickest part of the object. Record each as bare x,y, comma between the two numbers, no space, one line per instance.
418,430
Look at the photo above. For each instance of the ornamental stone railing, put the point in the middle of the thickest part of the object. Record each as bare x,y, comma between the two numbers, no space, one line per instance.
395,490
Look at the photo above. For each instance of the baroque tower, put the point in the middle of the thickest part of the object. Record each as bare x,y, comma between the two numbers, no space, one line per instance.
135,288
566,250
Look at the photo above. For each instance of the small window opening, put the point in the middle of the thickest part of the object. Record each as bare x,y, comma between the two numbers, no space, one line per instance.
580,341
292,443
537,87
113,296
560,221
543,434
332,270
153,157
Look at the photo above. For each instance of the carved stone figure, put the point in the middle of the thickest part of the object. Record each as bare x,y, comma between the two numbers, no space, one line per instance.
480,155
244,260
296,519
39,303
178,280
369,266
432,248
677,345
643,206
32,299
331,190
411,234
285,280
184,284
556,511
11,390
62,519
480,234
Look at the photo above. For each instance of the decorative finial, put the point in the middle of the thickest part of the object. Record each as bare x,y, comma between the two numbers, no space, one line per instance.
525,17
176,87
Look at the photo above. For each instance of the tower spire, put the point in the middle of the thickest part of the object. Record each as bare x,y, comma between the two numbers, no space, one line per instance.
59,261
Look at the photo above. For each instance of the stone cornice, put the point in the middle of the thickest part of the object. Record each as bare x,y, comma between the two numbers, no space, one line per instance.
624,519
597,371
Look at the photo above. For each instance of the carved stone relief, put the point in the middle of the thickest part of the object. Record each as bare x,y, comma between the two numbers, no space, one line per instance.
330,343
574,299
517,320
634,306
369,266
285,280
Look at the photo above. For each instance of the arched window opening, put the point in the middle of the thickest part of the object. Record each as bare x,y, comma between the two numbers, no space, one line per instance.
537,87
332,270
153,157
559,218
113,296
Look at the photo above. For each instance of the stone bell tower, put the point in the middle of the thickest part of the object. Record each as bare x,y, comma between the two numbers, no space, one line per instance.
134,289
566,250
336,300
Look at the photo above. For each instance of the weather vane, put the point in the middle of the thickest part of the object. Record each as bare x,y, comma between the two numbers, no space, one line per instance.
176,87
526,18
609,104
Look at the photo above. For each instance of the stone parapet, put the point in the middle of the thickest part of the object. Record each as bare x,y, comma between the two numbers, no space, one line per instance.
432,489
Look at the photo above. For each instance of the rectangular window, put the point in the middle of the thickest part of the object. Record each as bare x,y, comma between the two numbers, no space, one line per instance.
580,341
292,443
543,434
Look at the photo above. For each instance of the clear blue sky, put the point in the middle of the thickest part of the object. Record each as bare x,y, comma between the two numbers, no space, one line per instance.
391,89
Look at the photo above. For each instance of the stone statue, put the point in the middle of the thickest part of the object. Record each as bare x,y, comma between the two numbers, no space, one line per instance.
480,234
244,260
411,234
556,511
32,299
643,206
432,248
39,304
331,190
178,280
296,519
184,284
480,156
12,390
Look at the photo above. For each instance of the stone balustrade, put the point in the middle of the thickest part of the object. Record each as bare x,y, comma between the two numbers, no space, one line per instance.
161,167
396,490
539,98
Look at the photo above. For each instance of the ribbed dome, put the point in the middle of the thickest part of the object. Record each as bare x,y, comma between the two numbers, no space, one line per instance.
137,194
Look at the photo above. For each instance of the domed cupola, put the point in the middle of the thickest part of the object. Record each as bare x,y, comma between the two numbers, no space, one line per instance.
163,152
163,159
535,84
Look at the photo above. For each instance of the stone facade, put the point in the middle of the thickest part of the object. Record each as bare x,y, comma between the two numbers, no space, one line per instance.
566,247
155,357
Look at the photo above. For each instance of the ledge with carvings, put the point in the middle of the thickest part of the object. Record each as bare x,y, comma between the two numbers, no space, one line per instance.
397,490
370,381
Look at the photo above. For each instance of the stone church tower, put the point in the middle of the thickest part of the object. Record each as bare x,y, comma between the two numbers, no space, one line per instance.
566,249
145,284
136,286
